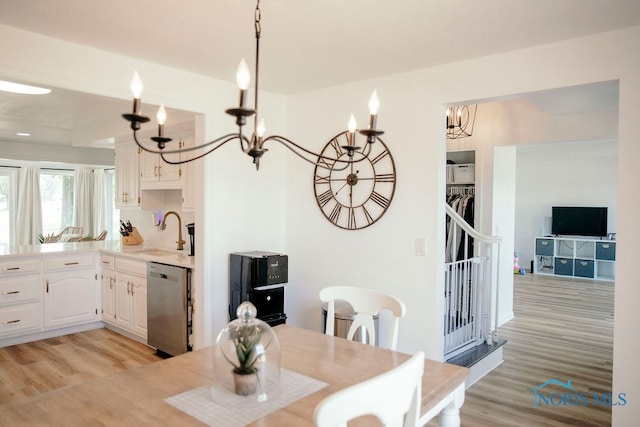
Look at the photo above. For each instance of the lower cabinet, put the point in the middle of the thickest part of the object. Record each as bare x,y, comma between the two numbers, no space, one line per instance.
129,294
70,298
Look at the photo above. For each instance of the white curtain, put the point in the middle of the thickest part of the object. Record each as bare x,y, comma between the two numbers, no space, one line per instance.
29,212
100,214
83,200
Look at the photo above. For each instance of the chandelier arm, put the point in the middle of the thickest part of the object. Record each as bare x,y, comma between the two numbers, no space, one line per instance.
230,137
183,150
286,141
324,165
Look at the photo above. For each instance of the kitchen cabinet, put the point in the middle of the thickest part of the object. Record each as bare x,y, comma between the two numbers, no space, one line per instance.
20,296
127,166
131,296
156,174
108,279
71,290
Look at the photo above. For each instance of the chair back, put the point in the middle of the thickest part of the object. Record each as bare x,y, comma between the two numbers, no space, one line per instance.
366,303
394,397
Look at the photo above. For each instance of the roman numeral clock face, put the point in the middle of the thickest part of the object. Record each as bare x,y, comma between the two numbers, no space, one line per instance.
354,195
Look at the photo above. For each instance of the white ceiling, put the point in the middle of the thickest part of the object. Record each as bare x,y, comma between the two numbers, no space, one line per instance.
305,45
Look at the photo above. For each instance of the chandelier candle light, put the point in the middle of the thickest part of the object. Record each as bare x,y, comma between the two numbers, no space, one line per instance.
254,145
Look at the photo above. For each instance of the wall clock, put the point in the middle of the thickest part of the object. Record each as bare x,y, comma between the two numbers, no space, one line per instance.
354,195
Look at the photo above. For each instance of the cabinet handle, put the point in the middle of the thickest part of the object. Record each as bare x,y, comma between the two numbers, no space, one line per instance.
129,287
10,322
72,263
11,293
47,282
10,268
544,243
133,289
605,246
110,282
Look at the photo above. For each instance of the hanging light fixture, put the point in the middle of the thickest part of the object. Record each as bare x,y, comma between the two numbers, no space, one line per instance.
254,144
460,121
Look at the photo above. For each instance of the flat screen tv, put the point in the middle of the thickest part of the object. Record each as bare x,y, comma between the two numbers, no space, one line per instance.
578,221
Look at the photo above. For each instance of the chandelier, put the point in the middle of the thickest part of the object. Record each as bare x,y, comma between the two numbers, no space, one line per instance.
460,121
254,144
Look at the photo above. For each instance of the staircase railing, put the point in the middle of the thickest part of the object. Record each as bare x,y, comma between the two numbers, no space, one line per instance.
471,286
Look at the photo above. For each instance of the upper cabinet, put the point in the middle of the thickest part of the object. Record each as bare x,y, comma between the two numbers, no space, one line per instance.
127,164
156,174
138,170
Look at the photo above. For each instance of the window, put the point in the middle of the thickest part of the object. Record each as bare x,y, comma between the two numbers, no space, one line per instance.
8,180
56,192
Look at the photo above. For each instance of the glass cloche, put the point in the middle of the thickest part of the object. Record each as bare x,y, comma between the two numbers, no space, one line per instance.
246,360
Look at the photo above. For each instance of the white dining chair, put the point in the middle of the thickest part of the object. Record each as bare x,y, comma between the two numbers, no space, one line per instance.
394,397
366,303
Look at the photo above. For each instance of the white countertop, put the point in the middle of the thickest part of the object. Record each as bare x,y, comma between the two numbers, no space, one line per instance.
111,247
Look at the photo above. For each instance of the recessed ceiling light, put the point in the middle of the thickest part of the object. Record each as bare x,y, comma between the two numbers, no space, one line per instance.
22,89
23,134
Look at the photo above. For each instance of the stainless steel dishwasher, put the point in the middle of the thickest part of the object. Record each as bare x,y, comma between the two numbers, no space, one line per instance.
169,306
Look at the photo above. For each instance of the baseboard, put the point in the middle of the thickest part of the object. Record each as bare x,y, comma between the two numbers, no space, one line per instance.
52,333
484,366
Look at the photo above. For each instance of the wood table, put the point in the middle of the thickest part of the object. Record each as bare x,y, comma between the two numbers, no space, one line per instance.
137,396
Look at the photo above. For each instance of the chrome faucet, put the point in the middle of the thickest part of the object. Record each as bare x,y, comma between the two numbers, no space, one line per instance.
163,226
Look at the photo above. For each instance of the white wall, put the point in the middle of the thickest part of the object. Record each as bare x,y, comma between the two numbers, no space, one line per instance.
503,224
562,174
382,256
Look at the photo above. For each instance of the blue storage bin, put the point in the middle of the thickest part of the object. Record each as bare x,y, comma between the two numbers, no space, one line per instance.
563,267
606,251
584,268
544,247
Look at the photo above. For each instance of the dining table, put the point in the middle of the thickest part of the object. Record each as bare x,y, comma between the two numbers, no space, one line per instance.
164,392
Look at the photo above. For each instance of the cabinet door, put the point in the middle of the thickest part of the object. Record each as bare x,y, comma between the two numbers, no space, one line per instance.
127,180
71,297
139,306
109,296
156,174
123,301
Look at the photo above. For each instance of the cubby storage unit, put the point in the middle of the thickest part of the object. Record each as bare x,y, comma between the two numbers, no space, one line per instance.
575,257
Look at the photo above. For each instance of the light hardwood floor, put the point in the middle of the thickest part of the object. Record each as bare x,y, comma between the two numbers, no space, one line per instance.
27,370
563,329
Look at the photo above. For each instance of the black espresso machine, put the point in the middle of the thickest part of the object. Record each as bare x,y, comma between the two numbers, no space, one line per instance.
259,277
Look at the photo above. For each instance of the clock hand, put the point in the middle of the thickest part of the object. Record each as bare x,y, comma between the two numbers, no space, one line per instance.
340,189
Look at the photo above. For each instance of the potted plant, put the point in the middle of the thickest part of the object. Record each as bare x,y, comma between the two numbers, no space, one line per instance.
245,336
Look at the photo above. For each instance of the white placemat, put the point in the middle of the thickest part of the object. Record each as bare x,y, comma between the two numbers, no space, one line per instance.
241,410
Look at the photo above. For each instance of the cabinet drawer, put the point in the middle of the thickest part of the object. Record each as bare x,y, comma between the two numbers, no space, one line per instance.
19,318
70,262
18,289
107,261
606,251
584,268
19,266
544,247
563,267
131,266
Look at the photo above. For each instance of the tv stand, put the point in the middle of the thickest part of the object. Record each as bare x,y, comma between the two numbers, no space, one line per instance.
581,257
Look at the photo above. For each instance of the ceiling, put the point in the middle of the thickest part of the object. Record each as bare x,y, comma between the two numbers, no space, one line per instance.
317,43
